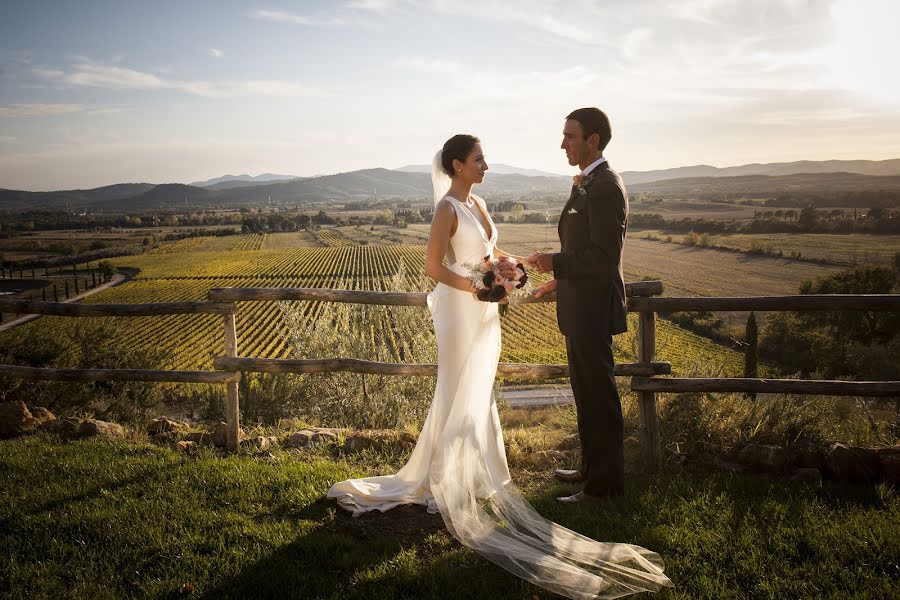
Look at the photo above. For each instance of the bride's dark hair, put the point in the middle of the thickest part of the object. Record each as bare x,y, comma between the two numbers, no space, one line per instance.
457,148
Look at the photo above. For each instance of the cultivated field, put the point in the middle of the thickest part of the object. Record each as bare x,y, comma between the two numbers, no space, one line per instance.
186,271
844,249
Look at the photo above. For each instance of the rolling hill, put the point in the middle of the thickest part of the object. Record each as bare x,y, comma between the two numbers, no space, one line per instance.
380,184
861,167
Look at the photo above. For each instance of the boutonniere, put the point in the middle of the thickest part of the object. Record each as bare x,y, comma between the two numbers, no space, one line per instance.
581,181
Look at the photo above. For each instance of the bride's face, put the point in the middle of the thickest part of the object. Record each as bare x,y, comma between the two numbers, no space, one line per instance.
473,169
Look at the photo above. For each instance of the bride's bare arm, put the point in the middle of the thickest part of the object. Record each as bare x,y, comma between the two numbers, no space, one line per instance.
443,226
513,257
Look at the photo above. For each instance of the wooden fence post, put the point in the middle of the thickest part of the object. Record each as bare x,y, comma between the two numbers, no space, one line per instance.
651,442
232,408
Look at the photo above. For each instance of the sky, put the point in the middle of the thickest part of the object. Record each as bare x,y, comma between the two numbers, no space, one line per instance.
95,93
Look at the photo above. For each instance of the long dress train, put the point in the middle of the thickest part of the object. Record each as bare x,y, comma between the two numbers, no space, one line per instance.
459,468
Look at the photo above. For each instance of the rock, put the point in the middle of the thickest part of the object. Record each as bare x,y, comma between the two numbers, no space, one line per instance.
165,425
260,442
15,419
61,426
220,435
809,458
41,414
808,475
299,439
852,463
202,438
763,457
185,446
93,427
889,463
324,435
379,441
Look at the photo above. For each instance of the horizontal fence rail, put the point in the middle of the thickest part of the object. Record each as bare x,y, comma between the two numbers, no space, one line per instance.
767,386
643,297
65,309
118,375
878,302
334,365
230,294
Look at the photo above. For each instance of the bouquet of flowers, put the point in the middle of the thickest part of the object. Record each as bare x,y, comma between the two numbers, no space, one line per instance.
495,284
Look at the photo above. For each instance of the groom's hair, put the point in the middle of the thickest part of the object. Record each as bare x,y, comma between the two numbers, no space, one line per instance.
457,148
593,120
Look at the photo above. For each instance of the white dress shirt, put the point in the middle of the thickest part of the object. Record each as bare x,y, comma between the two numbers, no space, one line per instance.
593,166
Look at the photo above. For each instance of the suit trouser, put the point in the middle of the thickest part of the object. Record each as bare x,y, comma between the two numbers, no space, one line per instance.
600,423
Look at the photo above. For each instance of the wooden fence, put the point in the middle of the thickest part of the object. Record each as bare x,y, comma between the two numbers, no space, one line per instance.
643,298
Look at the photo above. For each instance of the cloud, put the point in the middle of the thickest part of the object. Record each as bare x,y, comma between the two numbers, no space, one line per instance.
87,73
8,139
418,63
286,17
216,53
284,89
378,6
31,110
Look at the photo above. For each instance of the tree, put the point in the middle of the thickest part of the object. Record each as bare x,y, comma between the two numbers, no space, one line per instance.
106,269
808,217
839,343
517,213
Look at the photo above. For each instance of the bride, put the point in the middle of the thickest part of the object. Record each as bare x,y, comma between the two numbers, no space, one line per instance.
458,467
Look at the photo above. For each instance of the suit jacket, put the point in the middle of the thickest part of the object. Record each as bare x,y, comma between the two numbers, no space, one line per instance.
590,293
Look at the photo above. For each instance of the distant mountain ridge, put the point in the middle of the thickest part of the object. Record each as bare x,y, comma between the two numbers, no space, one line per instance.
495,169
243,179
862,167
819,185
381,183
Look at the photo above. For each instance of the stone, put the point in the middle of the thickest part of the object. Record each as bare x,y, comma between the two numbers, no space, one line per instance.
808,475
186,446
852,462
15,419
260,442
809,458
41,414
203,438
94,428
379,441
889,463
299,439
166,425
220,435
66,426
763,457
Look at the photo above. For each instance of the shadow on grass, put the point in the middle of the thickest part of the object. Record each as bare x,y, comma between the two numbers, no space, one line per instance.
407,553
342,557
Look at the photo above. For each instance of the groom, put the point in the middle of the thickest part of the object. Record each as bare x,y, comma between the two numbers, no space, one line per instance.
590,302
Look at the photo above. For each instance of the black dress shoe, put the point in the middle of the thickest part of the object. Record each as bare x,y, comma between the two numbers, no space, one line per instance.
581,498
569,475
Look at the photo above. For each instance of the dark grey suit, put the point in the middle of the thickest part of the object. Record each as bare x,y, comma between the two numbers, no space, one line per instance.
590,308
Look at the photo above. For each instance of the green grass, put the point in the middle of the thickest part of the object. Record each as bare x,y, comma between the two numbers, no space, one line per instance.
94,519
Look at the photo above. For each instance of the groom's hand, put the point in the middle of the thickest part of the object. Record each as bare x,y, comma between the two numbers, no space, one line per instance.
546,288
540,261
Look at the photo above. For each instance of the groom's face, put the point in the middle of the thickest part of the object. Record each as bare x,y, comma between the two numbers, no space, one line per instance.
573,143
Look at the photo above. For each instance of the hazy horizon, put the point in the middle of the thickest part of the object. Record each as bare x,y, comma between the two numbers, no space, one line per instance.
96,93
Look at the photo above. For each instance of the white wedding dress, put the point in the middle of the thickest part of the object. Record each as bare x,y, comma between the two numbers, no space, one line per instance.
459,468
